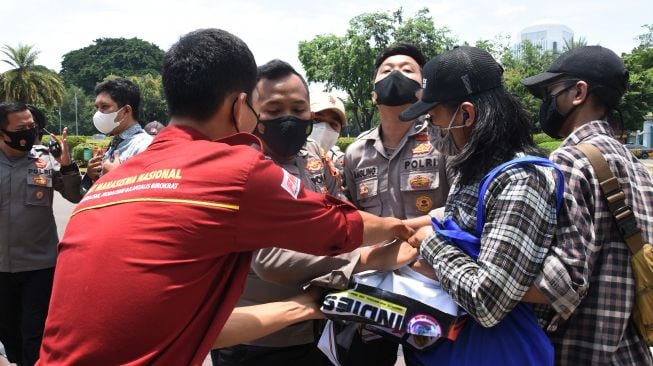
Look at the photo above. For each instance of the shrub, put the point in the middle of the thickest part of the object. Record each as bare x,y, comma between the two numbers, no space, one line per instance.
78,145
539,138
73,141
343,142
550,145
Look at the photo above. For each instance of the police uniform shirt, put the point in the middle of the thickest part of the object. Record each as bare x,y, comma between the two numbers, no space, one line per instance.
405,182
28,232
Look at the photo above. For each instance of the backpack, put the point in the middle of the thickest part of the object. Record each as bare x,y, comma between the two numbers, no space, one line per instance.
642,258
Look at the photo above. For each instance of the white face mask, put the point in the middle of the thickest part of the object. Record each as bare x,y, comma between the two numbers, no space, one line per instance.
325,135
105,122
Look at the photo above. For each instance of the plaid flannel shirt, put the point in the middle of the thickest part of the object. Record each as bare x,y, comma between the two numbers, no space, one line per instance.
588,275
520,219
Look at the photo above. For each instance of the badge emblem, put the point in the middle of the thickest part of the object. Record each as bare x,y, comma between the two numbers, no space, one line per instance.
363,190
39,195
40,163
423,148
314,165
419,181
424,203
40,180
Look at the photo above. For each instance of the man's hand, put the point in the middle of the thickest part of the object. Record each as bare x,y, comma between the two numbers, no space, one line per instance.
108,166
386,257
64,159
421,234
94,168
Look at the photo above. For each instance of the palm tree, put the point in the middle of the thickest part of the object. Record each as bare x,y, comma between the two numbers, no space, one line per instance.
570,43
27,82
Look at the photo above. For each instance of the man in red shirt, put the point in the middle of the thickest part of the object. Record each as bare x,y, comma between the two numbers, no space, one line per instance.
171,230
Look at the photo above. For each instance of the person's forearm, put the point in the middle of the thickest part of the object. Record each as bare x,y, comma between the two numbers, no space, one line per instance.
379,229
386,257
533,295
418,222
248,323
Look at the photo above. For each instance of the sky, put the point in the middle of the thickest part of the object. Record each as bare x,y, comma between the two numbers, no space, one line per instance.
273,29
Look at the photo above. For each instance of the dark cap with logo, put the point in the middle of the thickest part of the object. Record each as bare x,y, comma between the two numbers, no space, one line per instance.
589,63
454,75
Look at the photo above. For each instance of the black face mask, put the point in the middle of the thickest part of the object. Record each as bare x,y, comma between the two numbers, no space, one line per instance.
21,140
285,135
551,119
396,89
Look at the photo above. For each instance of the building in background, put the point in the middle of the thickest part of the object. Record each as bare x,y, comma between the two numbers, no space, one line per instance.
548,35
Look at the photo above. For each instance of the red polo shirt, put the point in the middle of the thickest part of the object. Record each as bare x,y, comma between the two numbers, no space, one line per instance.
155,256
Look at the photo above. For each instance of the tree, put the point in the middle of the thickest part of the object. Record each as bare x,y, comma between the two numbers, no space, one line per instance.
88,66
571,43
529,61
638,99
646,39
347,62
153,104
497,47
27,82
77,106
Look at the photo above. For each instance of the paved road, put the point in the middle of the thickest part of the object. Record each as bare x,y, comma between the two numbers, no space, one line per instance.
62,210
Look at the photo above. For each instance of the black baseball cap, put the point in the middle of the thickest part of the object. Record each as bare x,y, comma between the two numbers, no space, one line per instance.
589,63
454,75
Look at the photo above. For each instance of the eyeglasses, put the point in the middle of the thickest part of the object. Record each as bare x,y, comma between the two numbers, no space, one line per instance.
568,83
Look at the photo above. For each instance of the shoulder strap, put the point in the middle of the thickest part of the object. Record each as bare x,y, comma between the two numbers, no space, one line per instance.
611,190
525,160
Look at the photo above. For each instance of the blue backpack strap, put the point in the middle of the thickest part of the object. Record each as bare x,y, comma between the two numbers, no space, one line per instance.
487,179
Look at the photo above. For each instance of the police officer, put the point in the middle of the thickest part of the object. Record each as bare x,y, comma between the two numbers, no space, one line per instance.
285,123
29,175
393,169
329,120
